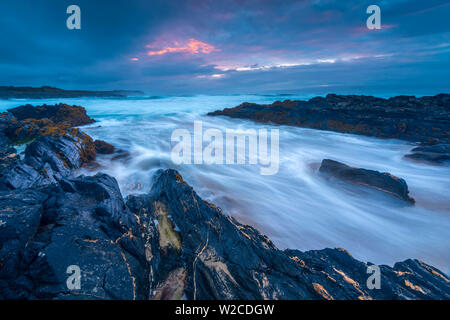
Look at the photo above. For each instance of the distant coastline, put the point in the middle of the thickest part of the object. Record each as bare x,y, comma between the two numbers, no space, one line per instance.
46,92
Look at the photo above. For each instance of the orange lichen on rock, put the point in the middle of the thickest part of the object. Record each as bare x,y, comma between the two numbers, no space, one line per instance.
321,290
413,286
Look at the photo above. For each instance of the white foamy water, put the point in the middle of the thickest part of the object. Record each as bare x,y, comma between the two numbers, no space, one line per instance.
296,207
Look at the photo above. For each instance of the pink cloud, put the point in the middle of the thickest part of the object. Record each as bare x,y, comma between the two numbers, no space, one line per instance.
192,46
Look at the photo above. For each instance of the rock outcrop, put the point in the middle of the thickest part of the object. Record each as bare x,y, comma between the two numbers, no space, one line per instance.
436,154
170,244
48,159
25,123
60,113
54,148
79,222
421,120
381,181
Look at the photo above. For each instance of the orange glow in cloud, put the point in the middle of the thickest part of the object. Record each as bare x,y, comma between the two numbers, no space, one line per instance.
134,59
192,46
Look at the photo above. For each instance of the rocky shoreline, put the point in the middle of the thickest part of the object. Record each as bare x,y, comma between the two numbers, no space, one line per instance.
424,121
166,244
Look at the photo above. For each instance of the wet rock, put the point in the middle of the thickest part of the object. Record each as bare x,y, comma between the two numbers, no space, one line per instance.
8,154
25,123
47,160
382,181
410,279
60,113
19,175
60,153
103,147
20,215
435,154
424,119
82,222
6,120
200,251
12,130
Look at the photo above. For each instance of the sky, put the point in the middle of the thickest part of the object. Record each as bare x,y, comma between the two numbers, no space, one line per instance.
174,47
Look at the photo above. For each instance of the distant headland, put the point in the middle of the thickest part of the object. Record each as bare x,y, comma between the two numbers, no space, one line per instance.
46,92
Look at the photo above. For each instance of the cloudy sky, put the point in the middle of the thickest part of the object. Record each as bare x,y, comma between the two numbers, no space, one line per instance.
214,47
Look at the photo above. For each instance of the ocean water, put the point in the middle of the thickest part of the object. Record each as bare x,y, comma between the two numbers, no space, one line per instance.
296,207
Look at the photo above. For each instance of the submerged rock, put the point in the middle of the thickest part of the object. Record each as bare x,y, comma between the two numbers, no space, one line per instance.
103,147
436,154
170,244
382,181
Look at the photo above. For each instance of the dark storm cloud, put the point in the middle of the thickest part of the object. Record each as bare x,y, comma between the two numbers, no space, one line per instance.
200,46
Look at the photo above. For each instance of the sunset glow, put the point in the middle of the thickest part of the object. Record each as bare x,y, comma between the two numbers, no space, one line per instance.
192,46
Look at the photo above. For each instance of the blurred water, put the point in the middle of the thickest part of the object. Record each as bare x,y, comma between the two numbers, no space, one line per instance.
296,208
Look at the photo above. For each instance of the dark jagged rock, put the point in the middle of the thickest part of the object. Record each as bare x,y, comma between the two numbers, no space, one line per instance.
46,92
382,181
199,250
54,148
410,279
425,119
82,222
200,253
59,113
8,154
6,120
438,153
20,216
25,123
103,147
47,160
171,244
